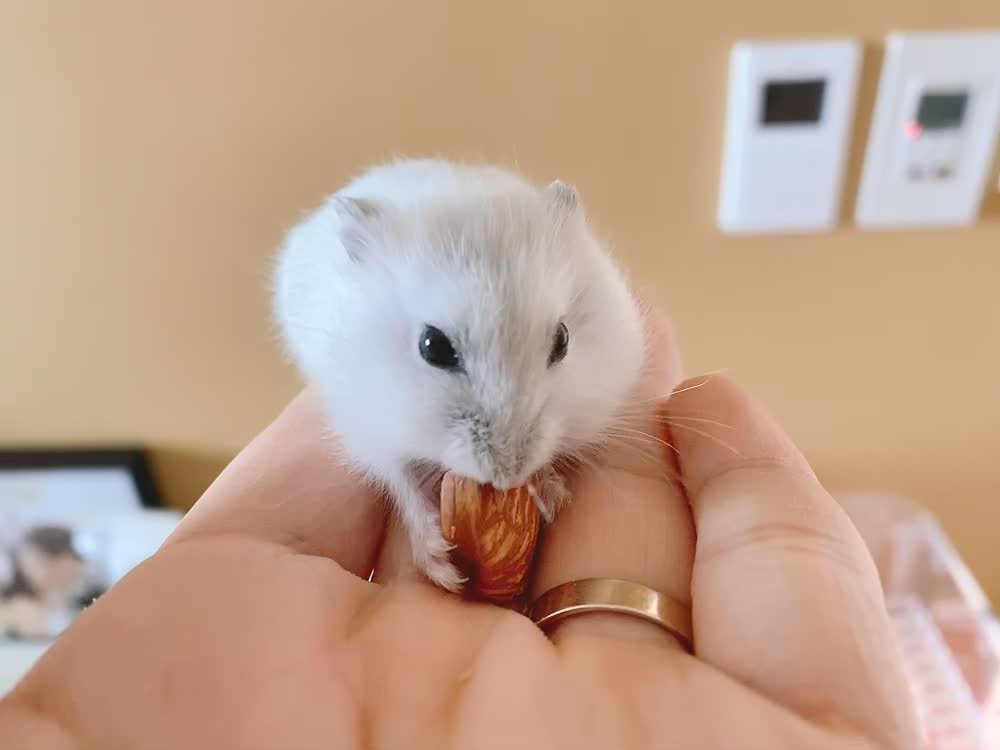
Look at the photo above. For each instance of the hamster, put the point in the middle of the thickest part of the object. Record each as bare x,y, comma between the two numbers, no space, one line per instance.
457,317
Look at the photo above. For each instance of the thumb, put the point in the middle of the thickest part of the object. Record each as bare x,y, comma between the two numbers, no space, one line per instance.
786,597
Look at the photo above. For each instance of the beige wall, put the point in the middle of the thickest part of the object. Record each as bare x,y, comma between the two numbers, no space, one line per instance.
152,153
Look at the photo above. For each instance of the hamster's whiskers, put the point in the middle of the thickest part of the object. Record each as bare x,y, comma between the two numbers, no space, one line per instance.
627,432
672,421
646,417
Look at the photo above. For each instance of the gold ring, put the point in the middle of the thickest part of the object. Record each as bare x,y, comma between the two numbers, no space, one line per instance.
614,595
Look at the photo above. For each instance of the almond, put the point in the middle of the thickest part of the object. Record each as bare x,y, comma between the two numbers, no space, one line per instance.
494,532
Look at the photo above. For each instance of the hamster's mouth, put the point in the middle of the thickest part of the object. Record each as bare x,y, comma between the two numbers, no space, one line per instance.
428,476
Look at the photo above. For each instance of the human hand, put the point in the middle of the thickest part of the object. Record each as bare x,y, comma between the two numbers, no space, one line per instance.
254,626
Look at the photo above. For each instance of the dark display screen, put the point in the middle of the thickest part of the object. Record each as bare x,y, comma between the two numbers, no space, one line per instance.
788,102
942,110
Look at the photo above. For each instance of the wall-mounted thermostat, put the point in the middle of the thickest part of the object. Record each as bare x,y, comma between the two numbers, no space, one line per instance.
790,109
933,132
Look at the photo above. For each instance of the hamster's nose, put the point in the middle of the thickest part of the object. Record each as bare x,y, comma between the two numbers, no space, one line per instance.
503,461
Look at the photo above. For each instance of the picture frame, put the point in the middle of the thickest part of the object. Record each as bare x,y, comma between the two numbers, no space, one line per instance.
134,460
71,521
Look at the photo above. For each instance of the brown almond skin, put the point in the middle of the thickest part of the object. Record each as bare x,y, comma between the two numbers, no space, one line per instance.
495,533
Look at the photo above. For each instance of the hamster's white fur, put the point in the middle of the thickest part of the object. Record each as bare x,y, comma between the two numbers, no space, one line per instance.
494,262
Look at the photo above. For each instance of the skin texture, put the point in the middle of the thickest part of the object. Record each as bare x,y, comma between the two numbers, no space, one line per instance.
251,627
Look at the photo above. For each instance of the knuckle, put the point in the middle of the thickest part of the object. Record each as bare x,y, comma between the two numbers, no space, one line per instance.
810,545
772,507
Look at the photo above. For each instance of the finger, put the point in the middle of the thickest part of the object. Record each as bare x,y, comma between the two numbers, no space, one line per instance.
786,596
288,487
627,517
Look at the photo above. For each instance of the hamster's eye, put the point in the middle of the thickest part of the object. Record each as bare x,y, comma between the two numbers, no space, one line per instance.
437,350
560,345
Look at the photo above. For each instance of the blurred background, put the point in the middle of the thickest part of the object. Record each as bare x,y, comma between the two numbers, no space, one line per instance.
152,154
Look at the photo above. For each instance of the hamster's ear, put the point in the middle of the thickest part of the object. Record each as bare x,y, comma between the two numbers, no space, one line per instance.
563,201
359,221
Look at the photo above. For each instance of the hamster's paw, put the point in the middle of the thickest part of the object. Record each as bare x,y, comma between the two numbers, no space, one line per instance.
443,573
435,563
549,493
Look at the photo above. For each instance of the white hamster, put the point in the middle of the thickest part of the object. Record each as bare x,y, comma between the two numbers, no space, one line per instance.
457,317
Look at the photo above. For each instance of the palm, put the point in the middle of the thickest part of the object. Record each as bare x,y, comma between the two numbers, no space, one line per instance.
289,650
270,648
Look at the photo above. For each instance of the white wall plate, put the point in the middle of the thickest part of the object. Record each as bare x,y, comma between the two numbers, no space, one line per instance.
789,116
933,132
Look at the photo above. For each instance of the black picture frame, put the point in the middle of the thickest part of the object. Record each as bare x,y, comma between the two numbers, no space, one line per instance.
134,459
33,606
